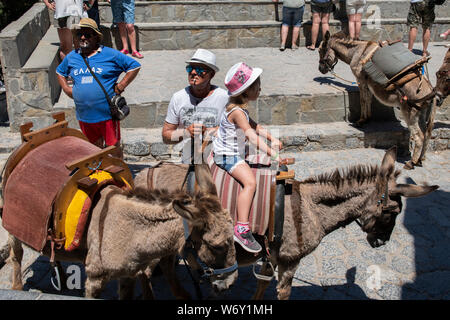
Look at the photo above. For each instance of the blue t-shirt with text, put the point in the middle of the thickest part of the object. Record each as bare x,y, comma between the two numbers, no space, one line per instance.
108,64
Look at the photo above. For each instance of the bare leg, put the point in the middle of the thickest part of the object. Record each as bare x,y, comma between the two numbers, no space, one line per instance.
245,176
123,35
66,41
295,34
314,30
284,33
358,21
351,26
412,37
425,40
325,18
132,36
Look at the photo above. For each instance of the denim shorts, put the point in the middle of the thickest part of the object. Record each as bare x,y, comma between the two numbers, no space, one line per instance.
293,16
123,11
227,163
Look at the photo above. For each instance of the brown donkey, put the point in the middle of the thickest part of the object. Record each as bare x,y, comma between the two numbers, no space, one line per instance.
356,53
442,79
128,232
319,206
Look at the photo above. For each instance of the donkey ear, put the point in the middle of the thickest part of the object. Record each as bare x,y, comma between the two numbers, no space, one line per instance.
412,191
388,163
327,36
204,179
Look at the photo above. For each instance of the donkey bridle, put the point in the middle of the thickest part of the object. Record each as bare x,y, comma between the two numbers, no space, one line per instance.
382,203
189,247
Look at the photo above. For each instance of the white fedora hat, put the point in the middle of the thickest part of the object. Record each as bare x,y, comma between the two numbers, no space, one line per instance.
240,77
204,57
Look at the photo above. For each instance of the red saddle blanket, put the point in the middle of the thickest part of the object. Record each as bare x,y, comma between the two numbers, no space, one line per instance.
33,185
228,189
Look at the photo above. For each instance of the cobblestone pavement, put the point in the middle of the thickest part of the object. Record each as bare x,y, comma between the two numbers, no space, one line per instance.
414,264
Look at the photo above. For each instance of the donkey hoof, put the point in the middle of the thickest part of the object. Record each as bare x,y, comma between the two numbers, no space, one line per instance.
408,165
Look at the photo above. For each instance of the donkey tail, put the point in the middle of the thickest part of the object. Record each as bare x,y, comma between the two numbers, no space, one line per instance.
430,125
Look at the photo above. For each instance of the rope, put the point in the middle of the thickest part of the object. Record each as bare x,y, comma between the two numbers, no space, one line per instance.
336,76
95,169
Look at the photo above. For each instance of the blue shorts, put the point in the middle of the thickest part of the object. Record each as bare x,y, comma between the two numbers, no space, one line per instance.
227,163
293,16
123,11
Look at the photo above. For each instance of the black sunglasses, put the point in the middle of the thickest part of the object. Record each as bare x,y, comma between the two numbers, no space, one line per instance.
199,70
86,34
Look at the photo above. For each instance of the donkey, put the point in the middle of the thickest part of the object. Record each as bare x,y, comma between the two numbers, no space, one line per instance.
128,230
442,79
356,53
318,206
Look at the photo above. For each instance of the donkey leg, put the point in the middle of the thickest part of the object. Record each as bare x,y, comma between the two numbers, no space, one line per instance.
168,267
147,290
126,288
94,286
16,254
285,276
411,116
365,100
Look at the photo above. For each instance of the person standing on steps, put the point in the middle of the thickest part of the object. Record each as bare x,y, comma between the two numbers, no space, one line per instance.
320,10
421,12
355,9
292,16
92,108
67,14
123,16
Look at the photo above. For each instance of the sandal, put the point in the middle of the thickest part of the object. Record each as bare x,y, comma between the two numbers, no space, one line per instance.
124,51
137,54
312,48
282,47
294,47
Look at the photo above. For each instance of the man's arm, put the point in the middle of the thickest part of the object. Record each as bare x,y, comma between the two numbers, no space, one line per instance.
64,85
127,79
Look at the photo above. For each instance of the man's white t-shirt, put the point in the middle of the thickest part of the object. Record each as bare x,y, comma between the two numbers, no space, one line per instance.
185,109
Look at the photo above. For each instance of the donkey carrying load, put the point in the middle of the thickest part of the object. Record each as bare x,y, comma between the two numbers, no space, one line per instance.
390,73
87,211
313,209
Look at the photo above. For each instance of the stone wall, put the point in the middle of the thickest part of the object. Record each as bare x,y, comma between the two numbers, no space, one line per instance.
28,91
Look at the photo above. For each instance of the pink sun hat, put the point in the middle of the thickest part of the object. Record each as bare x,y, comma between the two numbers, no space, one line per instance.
240,77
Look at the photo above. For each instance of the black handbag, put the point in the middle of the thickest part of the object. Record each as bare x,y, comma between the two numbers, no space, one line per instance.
117,105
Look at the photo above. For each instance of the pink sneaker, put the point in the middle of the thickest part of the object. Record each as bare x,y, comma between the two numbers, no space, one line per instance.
137,54
124,51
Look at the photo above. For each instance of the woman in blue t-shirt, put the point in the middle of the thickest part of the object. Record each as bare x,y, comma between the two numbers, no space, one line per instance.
321,10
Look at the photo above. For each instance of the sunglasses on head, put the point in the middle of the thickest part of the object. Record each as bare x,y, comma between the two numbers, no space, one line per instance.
86,34
198,70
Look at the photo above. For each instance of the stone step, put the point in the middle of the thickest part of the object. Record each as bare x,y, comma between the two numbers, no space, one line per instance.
191,11
250,34
292,91
143,144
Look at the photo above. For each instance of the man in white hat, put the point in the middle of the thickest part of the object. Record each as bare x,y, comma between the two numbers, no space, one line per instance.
197,108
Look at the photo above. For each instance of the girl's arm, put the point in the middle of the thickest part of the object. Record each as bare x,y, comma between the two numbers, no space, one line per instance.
240,120
274,142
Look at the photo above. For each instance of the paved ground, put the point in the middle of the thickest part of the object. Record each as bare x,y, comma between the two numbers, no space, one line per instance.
415,264
287,73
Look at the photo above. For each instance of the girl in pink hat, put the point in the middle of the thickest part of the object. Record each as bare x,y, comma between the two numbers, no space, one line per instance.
243,84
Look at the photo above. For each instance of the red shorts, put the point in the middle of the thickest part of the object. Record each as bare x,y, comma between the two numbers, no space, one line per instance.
108,130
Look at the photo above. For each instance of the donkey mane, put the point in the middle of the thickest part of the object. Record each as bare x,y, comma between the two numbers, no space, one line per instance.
358,174
162,196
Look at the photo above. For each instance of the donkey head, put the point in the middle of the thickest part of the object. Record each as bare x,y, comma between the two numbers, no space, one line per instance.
386,203
328,58
443,78
212,231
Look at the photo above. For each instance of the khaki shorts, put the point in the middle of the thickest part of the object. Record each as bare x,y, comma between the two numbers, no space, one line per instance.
355,8
421,13
66,22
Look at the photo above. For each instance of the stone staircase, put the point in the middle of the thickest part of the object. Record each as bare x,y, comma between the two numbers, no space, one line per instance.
173,25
